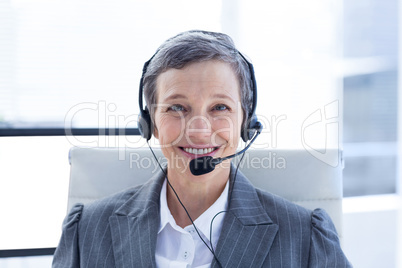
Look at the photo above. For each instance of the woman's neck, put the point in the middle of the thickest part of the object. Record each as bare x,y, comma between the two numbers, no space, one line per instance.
197,194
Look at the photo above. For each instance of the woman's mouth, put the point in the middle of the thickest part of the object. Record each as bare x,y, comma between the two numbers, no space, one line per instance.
199,151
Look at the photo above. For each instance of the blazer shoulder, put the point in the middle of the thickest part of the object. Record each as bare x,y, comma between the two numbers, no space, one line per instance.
277,207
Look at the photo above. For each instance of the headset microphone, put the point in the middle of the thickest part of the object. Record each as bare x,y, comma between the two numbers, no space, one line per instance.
203,165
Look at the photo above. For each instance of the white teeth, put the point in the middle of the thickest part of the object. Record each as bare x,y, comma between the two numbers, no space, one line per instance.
198,151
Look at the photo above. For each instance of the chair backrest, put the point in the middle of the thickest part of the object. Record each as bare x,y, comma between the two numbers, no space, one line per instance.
293,174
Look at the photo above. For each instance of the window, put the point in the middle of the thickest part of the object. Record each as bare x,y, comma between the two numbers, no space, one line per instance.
370,97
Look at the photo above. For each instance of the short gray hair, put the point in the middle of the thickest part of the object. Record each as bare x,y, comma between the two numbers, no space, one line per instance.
197,46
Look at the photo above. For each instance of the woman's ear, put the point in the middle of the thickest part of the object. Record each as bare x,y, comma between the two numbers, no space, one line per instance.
156,133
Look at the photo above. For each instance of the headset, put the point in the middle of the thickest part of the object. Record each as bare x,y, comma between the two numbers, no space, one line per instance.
145,125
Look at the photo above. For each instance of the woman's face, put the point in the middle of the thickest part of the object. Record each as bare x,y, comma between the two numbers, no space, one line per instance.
198,113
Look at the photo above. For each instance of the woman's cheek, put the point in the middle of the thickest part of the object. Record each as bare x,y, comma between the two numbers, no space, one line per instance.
227,128
169,130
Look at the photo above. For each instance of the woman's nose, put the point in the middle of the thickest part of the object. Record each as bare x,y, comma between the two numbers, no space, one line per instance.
198,126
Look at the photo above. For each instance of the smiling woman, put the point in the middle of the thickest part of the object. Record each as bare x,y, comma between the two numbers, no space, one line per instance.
201,96
199,88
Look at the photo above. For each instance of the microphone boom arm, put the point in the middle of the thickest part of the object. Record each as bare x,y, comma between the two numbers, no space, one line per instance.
218,160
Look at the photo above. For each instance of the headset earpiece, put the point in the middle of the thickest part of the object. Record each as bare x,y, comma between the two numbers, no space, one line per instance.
251,128
144,121
145,124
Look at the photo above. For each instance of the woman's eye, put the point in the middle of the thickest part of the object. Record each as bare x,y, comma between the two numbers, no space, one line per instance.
176,108
220,107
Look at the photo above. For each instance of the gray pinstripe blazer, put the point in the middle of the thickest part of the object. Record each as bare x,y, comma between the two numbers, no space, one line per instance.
261,230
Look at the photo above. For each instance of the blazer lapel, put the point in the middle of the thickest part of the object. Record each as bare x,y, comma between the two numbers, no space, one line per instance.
245,240
134,226
247,232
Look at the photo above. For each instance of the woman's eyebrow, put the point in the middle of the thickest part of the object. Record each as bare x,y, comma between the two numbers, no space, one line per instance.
223,96
181,96
174,97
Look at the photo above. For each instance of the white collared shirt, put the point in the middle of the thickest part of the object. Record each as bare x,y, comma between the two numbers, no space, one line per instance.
178,247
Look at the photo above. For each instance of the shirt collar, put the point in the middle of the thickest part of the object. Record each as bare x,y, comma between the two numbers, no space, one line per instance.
203,222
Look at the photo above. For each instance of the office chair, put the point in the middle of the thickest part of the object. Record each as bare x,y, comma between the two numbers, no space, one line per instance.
293,174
